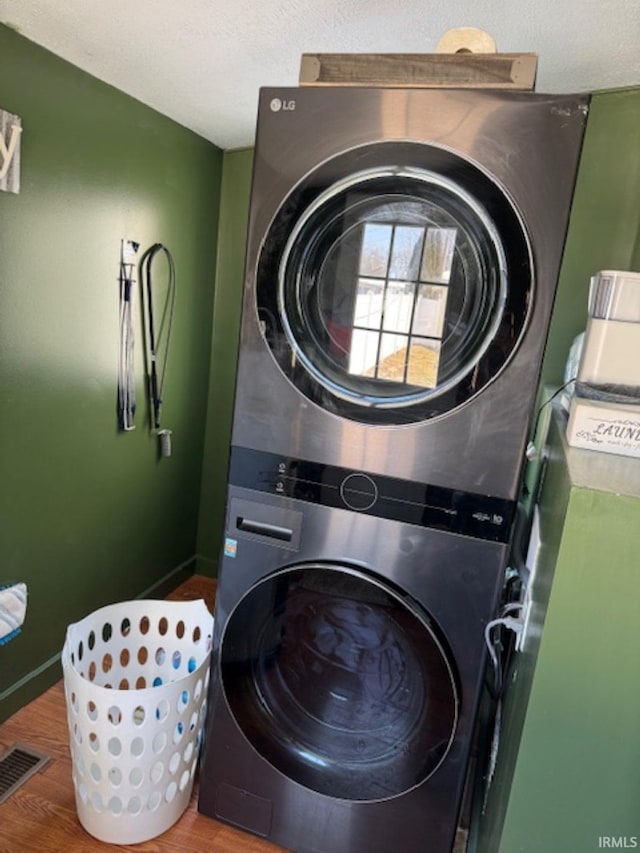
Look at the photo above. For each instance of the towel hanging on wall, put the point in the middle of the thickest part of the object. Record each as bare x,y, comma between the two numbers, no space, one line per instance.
13,608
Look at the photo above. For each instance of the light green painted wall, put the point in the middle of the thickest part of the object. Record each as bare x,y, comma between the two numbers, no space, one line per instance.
604,228
87,515
234,207
576,776
567,771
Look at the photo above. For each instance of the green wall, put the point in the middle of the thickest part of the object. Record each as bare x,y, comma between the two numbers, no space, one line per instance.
568,768
604,229
578,760
88,515
234,207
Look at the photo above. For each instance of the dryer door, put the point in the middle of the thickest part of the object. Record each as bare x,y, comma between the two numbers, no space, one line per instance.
394,283
339,682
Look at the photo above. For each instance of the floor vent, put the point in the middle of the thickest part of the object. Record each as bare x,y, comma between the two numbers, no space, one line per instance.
17,765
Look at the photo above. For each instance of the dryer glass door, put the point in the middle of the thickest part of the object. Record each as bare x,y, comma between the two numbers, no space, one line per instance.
339,683
401,290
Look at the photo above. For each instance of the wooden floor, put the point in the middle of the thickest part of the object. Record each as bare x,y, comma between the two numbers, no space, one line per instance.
41,815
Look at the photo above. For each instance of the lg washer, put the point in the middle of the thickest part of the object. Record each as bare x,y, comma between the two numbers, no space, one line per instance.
402,258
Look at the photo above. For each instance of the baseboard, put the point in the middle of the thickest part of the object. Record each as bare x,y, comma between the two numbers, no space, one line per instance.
166,584
206,566
30,686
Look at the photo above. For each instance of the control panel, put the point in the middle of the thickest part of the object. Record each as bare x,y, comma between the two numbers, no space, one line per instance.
476,515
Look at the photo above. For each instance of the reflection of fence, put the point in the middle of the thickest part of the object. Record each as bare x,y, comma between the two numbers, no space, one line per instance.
398,311
429,315
385,338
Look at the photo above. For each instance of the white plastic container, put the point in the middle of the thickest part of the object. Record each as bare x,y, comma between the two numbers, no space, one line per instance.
135,680
610,355
615,295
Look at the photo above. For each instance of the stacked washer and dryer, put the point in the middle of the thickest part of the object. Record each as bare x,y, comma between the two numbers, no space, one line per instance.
402,258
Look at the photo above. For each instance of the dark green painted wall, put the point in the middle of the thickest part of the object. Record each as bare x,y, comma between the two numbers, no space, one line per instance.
87,515
234,207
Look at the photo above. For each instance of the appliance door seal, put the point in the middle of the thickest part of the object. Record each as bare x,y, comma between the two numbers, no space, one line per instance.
339,682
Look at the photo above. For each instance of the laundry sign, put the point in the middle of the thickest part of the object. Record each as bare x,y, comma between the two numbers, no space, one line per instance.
10,131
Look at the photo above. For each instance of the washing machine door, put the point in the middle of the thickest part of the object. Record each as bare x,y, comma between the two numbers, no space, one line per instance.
339,682
394,283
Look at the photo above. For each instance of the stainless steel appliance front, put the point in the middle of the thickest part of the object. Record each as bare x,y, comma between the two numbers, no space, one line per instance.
402,259
346,675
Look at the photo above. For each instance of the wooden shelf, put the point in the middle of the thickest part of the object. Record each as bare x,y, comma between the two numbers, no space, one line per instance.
436,70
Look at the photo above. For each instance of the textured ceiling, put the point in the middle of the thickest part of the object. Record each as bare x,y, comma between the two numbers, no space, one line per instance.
201,62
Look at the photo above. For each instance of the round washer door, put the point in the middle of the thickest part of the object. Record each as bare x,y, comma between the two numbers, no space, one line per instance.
394,283
339,682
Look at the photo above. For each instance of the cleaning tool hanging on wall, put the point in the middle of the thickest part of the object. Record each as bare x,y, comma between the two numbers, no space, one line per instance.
158,336
13,608
126,377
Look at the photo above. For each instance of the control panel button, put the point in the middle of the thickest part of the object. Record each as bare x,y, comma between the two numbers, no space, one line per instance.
358,492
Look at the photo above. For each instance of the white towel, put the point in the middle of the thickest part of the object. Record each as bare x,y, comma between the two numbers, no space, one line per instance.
13,608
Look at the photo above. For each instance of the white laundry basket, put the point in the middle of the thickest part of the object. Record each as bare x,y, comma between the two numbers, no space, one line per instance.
135,680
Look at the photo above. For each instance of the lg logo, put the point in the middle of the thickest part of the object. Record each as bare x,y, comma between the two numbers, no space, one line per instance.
277,105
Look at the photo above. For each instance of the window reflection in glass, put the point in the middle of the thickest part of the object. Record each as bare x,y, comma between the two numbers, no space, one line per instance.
376,246
368,304
392,358
437,256
398,306
341,272
422,363
363,355
399,322
407,243
431,304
